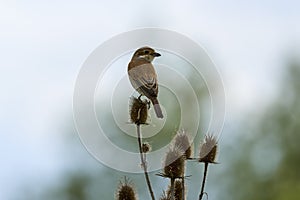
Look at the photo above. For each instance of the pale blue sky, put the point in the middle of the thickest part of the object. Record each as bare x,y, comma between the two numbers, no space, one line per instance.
43,45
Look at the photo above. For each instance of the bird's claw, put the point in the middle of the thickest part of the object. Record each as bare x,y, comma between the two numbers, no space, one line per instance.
148,103
139,98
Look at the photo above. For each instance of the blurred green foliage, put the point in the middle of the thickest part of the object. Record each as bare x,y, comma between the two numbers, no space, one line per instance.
267,165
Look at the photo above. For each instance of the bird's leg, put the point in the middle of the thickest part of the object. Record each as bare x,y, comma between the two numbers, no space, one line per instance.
139,98
148,103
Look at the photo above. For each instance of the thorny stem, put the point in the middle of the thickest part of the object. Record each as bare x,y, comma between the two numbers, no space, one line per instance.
172,188
203,180
143,160
183,188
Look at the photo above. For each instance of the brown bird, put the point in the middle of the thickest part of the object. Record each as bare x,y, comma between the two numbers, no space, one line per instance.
143,77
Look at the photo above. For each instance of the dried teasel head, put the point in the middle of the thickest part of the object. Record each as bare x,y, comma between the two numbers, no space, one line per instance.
146,147
138,110
178,190
174,164
208,149
164,196
182,141
126,191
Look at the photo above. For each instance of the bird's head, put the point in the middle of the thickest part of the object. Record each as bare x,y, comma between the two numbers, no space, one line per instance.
146,53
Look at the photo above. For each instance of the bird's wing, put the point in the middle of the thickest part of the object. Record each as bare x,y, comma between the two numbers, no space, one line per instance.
143,78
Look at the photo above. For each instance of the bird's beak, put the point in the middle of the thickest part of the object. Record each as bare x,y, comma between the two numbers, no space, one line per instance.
156,54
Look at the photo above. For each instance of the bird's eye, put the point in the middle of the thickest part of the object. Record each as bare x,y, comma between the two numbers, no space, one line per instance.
146,52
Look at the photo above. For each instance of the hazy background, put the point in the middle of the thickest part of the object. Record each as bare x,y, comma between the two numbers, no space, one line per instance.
255,46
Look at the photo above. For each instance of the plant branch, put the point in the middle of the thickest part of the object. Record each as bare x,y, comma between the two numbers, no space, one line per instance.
203,180
172,189
143,160
183,188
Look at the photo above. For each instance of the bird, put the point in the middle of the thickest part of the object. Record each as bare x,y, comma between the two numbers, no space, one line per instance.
143,77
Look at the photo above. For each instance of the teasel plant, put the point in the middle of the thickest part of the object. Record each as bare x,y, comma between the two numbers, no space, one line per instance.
174,162
207,155
174,166
126,190
183,141
177,191
138,115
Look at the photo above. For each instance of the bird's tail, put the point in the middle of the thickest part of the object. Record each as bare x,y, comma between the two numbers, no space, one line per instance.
157,108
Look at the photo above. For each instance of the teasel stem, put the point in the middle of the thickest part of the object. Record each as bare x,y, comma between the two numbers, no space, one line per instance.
143,160
183,188
172,188
203,180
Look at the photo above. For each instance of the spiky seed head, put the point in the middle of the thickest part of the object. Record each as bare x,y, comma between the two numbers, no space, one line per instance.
146,147
126,191
208,149
182,141
138,111
174,163
178,190
164,196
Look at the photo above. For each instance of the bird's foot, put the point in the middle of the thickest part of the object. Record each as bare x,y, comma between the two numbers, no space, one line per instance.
139,98
148,103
